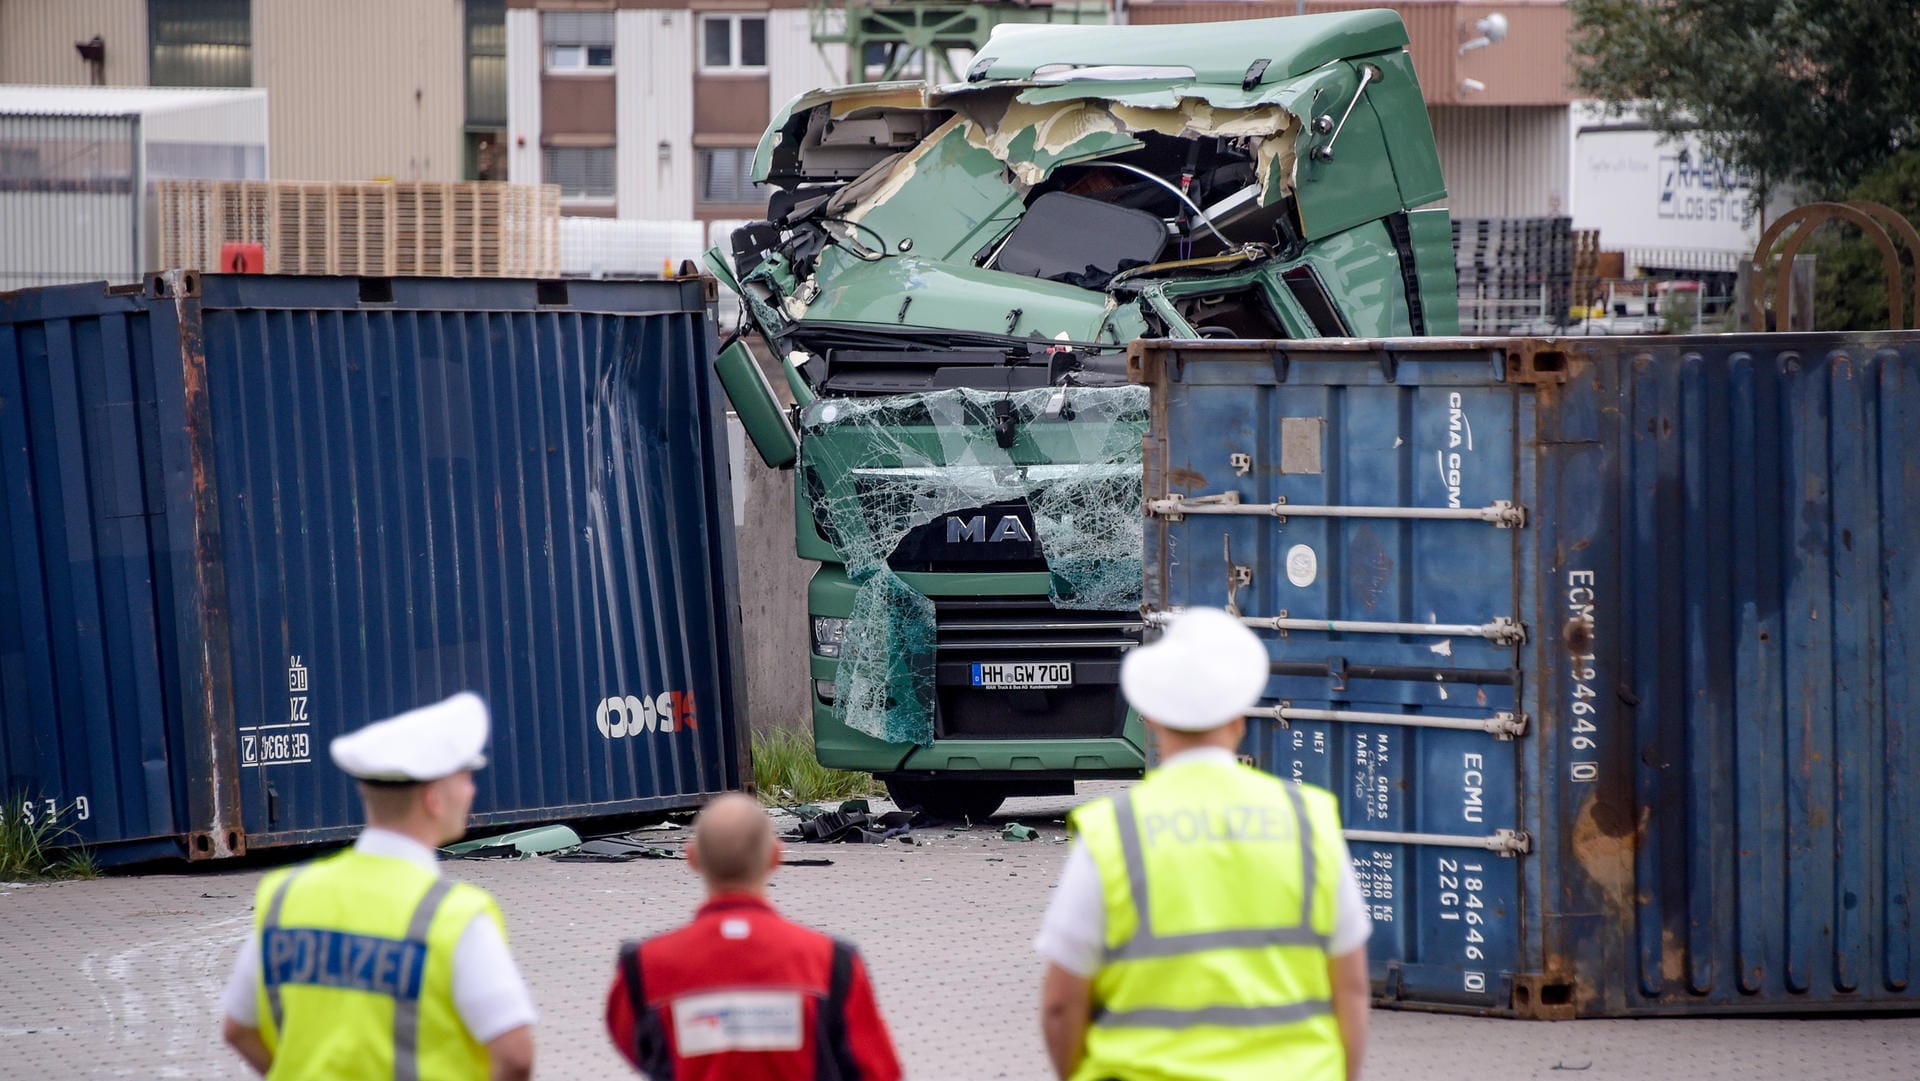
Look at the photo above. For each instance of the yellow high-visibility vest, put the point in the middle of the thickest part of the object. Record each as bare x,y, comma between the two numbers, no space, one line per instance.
356,956
1219,883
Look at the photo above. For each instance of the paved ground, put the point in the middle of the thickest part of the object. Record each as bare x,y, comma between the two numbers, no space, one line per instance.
120,978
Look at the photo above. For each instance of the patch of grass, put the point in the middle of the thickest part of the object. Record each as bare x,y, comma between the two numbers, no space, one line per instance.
32,847
786,772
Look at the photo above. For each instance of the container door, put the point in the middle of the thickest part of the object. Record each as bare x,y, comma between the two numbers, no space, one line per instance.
1359,509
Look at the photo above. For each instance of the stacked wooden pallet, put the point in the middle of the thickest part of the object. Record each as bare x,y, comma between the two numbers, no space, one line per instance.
475,229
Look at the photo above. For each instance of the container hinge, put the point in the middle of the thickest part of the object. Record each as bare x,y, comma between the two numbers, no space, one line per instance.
1503,725
1239,575
1503,842
1501,513
1176,508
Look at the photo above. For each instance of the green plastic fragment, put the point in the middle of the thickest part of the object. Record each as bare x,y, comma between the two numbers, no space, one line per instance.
537,841
855,806
1014,831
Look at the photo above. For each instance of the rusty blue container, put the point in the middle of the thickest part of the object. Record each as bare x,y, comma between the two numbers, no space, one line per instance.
246,514
1603,644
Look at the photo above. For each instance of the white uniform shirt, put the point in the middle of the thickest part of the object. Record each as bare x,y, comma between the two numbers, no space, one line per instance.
488,991
1073,933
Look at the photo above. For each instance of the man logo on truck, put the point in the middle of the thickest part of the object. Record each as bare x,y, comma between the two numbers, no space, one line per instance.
974,529
625,715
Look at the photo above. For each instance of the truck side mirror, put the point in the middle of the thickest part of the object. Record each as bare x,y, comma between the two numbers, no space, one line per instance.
753,399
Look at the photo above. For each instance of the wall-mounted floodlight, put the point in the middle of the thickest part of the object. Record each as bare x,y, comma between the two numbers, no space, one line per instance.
1493,29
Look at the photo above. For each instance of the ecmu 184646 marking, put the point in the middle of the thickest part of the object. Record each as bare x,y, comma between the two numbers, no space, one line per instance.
1582,703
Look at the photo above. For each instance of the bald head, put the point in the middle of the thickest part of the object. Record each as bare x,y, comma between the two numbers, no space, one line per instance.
733,844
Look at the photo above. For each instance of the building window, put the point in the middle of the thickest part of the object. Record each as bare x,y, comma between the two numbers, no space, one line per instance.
733,42
726,176
578,41
486,90
200,42
583,172
486,63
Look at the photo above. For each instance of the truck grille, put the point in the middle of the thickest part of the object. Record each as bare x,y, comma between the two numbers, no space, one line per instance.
1013,630
1008,624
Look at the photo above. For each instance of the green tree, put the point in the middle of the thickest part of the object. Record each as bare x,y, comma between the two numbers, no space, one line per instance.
1850,279
1815,93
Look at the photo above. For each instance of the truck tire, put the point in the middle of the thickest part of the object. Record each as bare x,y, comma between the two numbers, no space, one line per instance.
952,801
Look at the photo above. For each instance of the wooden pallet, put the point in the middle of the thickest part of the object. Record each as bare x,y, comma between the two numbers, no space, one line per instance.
472,229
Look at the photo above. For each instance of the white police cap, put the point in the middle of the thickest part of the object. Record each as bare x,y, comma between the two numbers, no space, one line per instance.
1205,669
424,744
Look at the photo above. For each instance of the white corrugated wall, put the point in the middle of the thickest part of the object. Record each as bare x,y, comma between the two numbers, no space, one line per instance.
626,247
794,64
1504,161
523,96
653,89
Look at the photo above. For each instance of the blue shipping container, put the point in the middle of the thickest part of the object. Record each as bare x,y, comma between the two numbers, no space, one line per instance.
1603,644
246,514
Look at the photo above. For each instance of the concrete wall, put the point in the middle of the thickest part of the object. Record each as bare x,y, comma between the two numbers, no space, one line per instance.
773,589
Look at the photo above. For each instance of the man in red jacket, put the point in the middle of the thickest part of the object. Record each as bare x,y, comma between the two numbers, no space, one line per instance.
741,994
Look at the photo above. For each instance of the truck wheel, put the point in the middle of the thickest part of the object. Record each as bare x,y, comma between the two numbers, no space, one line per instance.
953,801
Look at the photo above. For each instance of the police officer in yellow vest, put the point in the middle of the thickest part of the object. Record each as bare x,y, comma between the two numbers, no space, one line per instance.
1207,925
370,964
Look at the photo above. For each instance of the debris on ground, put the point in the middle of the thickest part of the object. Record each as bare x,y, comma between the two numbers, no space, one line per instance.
616,850
1014,831
853,827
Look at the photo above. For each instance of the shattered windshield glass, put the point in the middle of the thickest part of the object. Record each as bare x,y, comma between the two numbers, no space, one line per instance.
882,467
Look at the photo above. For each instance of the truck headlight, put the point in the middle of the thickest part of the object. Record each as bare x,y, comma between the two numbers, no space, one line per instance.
828,633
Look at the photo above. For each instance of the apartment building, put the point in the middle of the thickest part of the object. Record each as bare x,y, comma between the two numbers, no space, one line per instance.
652,108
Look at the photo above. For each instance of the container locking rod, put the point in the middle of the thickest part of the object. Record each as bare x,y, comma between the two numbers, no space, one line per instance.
1504,842
1501,513
1501,630
1503,724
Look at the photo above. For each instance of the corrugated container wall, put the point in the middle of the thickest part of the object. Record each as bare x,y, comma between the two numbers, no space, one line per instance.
1504,161
1606,648
252,513
28,27
395,104
653,93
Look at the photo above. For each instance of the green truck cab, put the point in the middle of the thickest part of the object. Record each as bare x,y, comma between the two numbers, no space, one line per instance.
948,278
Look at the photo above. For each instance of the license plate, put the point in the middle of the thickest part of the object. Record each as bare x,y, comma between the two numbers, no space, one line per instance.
1023,674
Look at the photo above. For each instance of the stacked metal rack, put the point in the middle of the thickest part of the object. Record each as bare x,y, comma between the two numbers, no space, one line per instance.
1515,271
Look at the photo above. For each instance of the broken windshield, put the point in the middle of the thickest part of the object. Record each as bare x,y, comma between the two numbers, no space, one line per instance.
879,468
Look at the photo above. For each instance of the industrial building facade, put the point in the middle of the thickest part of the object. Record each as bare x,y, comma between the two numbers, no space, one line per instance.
649,109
